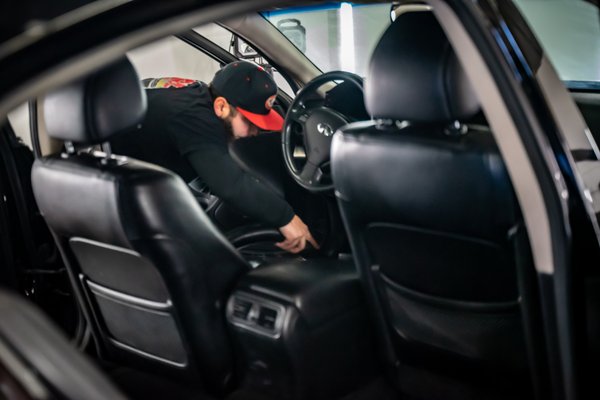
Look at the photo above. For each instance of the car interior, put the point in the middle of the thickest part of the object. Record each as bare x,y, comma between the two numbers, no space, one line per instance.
423,287
39,363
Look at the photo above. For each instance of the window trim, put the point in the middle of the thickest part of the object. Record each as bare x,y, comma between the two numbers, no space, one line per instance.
583,86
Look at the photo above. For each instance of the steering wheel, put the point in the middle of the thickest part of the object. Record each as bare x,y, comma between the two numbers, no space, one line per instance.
313,126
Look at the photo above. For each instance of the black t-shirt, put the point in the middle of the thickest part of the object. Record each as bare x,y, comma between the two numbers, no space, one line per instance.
182,133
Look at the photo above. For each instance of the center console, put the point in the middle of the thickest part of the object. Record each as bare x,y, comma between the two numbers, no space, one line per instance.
302,329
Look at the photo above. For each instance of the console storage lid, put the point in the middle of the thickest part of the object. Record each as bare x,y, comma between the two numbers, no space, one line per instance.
318,288
302,329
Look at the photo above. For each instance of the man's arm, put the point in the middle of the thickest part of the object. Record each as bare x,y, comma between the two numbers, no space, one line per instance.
232,184
197,139
296,235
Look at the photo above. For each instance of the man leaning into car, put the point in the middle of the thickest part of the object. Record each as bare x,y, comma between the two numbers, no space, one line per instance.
187,130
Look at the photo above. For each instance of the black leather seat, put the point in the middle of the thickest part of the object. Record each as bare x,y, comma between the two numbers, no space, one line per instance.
151,272
434,225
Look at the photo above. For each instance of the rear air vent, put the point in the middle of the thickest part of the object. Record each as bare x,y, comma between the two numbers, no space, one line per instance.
241,308
267,317
255,314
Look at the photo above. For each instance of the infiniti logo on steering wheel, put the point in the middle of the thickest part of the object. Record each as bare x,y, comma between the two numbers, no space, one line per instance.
324,129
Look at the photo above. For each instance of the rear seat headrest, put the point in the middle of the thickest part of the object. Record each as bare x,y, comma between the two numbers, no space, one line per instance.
92,109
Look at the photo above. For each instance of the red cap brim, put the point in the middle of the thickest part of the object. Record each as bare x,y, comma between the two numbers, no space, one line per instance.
268,122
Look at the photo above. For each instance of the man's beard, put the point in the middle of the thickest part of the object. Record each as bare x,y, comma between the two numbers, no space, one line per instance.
228,128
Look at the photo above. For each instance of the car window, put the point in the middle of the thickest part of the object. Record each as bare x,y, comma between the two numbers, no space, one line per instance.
172,57
242,50
569,32
334,37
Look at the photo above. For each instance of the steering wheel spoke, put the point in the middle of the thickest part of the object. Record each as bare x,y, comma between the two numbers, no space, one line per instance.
299,114
311,173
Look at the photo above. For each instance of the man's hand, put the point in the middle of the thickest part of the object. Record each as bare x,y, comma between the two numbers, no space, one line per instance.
296,235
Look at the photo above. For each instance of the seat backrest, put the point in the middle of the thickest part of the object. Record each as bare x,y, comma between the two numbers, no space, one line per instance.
151,272
430,210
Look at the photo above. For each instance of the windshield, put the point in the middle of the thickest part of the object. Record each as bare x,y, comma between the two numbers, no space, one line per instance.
334,36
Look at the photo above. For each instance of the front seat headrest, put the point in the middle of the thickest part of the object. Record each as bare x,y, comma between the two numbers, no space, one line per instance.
92,109
414,74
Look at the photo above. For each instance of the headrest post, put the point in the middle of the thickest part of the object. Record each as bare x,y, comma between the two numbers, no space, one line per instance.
69,147
456,128
382,123
107,149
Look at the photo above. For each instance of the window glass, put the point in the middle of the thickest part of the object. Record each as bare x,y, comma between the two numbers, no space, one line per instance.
338,36
228,41
172,57
569,31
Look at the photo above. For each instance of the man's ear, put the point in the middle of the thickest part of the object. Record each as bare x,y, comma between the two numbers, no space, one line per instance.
221,107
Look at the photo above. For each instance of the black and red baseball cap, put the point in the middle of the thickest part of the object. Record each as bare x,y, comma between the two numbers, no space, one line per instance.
251,90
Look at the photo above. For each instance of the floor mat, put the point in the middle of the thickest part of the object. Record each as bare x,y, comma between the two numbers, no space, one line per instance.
378,389
143,386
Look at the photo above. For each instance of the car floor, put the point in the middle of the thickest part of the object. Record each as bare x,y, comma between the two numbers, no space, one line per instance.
378,389
139,385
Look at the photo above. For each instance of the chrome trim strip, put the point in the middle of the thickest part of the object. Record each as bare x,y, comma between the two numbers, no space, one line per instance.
147,355
127,299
